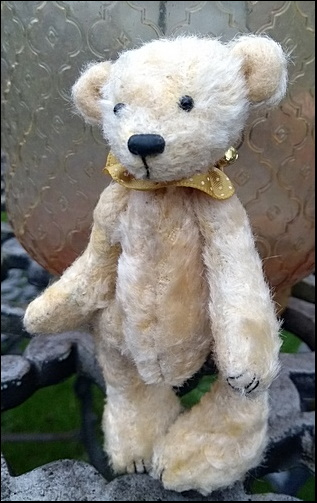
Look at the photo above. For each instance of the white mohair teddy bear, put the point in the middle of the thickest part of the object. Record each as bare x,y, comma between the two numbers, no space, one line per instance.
171,275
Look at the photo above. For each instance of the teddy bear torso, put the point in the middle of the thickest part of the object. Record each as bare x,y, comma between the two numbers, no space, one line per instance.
161,291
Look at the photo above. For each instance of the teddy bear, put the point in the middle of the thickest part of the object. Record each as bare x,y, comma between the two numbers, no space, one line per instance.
171,276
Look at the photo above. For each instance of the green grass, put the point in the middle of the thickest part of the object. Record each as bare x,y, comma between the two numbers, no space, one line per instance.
4,217
50,410
290,343
307,491
194,396
261,486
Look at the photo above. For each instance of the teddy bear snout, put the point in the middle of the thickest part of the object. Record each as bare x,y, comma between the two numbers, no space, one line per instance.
146,144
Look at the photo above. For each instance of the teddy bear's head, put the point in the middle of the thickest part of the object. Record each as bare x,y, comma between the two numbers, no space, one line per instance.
171,108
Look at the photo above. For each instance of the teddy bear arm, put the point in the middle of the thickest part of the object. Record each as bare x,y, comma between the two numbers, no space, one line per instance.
88,284
242,314
83,288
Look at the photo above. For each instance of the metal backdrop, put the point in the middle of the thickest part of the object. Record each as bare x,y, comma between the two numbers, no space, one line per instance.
55,160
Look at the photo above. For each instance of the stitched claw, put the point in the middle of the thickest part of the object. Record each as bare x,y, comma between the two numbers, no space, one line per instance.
243,382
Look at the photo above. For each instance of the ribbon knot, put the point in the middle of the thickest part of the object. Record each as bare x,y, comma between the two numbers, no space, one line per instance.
215,182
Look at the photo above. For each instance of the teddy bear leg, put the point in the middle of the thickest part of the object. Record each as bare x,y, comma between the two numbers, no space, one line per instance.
136,415
215,443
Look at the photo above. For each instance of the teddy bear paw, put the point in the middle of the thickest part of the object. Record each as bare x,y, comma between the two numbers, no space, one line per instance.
139,466
131,459
205,461
182,468
245,382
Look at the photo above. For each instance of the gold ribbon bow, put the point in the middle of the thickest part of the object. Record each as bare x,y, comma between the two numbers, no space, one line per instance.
215,182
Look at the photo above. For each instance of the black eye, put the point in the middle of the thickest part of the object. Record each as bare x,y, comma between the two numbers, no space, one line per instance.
118,107
186,103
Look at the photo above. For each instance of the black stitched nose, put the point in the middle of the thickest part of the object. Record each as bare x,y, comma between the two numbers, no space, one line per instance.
146,144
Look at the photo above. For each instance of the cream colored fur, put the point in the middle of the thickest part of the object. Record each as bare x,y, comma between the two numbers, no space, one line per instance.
171,276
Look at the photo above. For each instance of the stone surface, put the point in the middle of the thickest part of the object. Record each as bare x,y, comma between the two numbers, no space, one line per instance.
3,202
302,306
87,364
305,289
59,481
3,171
14,255
17,380
6,232
50,359
11,343
37,275
16,289
4,269
272,497
13,368
12,319
299,318
68,480
53,357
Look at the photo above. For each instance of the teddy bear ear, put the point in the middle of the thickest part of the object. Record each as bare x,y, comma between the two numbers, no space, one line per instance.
265,68
86,92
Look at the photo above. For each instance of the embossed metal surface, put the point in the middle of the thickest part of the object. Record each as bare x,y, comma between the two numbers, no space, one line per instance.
56,162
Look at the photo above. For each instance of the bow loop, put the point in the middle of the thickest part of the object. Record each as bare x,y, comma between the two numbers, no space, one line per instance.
215,182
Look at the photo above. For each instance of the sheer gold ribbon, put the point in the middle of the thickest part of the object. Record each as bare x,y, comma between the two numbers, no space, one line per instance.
215,182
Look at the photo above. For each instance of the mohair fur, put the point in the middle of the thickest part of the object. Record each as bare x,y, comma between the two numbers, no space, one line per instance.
171,276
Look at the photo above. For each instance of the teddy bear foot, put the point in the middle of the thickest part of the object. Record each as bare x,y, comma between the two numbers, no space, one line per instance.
134,421
204,469
129,451
214,444
136,466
